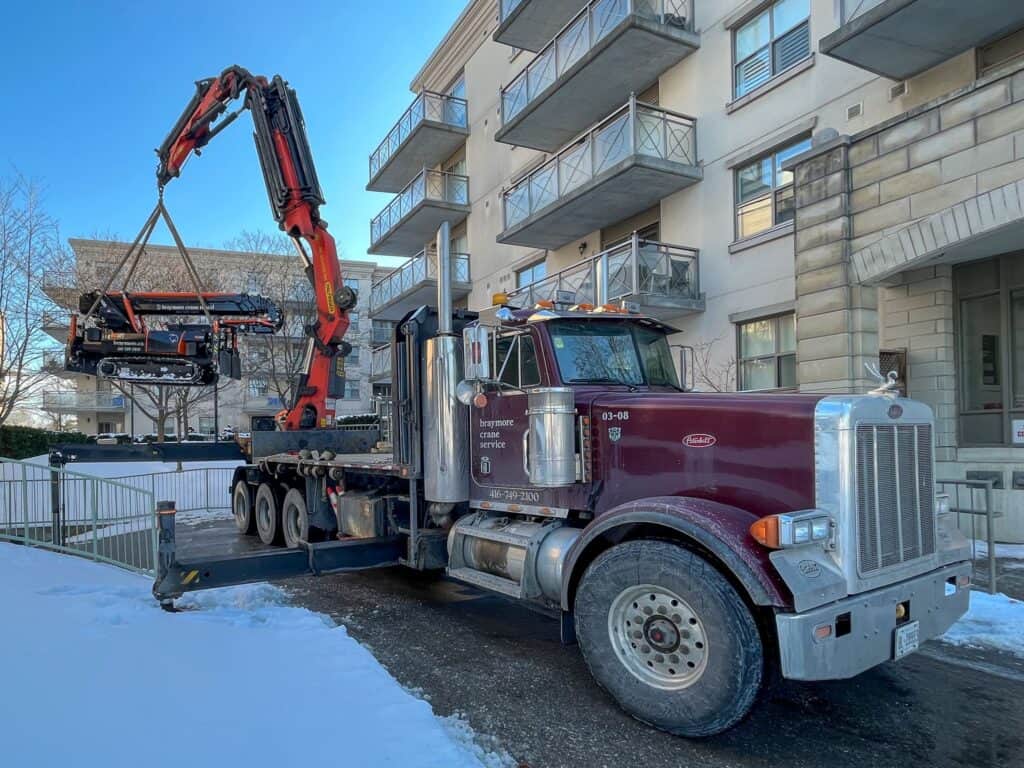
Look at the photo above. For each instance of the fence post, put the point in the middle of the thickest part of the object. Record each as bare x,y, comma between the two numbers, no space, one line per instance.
55,533
166,545
991,537
206,485
95,520
24,503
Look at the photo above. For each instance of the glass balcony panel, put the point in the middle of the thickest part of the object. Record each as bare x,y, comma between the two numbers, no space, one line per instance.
612,144
574,168
428,186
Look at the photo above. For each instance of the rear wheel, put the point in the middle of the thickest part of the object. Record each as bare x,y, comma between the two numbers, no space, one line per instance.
268,514
242,508
669,638
294,518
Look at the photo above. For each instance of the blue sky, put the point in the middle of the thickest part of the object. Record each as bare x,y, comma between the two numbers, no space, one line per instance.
91,88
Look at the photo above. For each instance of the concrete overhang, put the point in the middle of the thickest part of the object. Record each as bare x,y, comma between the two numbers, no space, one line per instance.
429,144
989,224
630,186
418,227
902,38
531,24
626,60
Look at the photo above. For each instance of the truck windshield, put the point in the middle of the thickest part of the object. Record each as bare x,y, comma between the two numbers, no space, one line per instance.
612,352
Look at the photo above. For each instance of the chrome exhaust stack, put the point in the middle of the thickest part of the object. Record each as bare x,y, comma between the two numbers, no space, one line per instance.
446,420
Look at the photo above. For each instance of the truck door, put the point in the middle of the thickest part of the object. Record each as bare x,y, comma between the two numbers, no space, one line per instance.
499,429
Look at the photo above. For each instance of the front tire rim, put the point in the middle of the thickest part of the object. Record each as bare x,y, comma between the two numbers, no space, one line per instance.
658,637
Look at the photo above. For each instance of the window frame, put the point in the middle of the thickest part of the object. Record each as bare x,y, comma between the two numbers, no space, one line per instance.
531,268
772,194
517,338
768,9
776,356
1004,293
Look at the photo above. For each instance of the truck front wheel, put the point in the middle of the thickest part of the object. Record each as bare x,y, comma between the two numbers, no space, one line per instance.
669,638
268,514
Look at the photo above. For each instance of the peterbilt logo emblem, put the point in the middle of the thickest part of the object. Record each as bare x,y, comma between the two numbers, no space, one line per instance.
614,433
895,411
699,441
809,568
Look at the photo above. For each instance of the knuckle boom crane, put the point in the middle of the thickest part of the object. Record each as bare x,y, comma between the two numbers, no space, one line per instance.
122,347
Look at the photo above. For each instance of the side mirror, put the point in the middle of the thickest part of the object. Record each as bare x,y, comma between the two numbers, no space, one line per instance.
687,375
476,340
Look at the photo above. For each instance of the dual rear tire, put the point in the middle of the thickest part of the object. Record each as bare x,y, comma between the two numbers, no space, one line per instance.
276,516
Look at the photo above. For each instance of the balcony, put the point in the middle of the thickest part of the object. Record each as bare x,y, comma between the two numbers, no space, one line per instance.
610,49
380,364
629,162
412,218
901,38
79,402
662,280
56,326
426,134
381,333
530,24
261,405
53,364
414,284
63,287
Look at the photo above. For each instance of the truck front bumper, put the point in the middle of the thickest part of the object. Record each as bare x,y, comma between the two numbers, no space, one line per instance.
861,629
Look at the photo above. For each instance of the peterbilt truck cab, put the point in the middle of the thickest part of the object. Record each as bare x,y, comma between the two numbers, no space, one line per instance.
691,543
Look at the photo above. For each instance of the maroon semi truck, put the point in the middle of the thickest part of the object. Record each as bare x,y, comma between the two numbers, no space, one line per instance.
692,544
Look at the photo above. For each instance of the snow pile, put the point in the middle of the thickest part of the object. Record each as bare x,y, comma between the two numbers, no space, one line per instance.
98,675
993,621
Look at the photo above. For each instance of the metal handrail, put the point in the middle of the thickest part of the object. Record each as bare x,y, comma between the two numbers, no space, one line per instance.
84,401
427,185
987,511
507,6
54,278
418,269
634,269
634,129
580,35
851,9
436,107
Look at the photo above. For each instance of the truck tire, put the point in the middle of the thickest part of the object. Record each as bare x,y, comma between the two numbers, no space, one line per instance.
268,514
669,638
242,508
294,518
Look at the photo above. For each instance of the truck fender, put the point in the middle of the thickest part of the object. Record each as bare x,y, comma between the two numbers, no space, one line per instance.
718,529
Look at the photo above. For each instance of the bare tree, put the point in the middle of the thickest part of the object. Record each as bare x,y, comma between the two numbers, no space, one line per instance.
29,247
716,373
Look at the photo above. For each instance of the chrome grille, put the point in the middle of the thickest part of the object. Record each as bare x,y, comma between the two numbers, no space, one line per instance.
895,495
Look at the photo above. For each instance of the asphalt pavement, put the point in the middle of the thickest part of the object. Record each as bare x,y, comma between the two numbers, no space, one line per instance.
503,667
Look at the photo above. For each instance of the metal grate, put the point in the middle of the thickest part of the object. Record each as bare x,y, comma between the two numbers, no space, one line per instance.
895,495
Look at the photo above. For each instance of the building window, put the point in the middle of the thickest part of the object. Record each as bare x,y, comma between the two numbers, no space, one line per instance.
207,426
258,386
531,274
352,389
764,192
990,324
353,322
1006,51
770,43
767,353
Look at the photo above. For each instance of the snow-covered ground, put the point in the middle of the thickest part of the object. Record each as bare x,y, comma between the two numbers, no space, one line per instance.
95,674
993,621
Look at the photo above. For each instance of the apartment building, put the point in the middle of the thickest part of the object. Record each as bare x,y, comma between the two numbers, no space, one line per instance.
97,407
800,186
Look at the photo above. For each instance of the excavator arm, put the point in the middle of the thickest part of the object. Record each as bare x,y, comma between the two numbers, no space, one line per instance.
295,199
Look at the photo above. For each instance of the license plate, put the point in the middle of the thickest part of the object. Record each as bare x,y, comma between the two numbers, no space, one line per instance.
908,638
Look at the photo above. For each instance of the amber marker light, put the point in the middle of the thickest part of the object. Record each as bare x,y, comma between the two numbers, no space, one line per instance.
792,529
766,532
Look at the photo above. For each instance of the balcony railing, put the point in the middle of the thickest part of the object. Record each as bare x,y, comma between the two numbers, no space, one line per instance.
53,362
597,19
73,402
428,185
428,106
635,129
416,271
851,9
59,280
380,362
507,6
663,279
381,333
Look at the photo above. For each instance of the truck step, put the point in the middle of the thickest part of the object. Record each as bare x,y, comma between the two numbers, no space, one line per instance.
487,581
